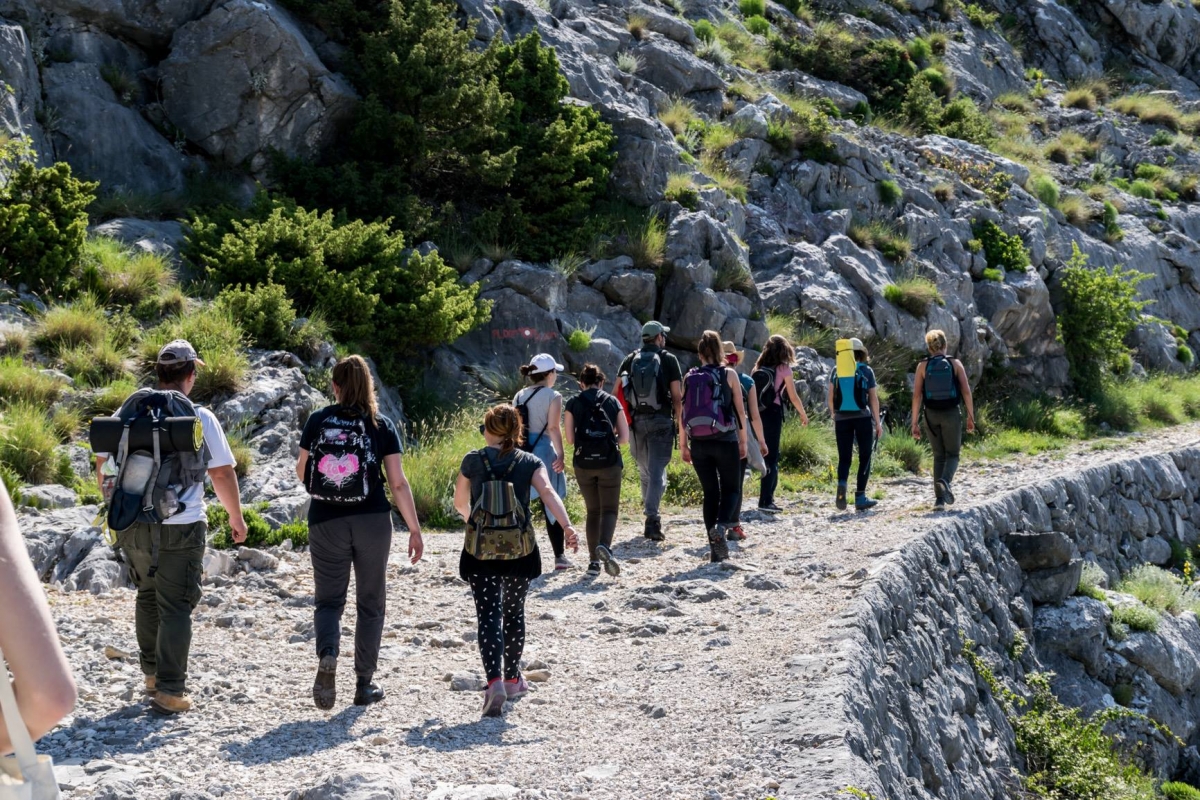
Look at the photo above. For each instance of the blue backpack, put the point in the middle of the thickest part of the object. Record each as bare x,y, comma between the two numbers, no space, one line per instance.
851,401
940,383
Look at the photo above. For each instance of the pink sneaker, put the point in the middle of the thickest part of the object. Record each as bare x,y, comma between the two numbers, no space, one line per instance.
516,688
493,698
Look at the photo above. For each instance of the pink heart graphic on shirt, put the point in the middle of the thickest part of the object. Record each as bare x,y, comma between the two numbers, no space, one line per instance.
338,470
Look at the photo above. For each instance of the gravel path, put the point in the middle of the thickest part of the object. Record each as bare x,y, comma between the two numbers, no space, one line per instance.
647,678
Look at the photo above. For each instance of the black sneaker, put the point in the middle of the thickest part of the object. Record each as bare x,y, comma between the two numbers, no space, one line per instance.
946,493
770,508
653,530
718,548
610,564
840,501
593,569
367,693
864,503
939,505
325,685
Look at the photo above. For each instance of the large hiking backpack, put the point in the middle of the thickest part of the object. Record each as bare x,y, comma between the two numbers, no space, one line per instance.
644,392
527,442
498,528
940,382
707,404
595,436
851,395
764,384
154,471
343,467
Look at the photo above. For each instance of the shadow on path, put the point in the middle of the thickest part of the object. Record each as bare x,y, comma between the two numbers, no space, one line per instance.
466,735
301,738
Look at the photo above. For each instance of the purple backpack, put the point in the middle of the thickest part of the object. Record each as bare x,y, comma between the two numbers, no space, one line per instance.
707,403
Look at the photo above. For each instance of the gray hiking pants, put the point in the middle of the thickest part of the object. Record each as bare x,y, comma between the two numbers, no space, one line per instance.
651,442
945,431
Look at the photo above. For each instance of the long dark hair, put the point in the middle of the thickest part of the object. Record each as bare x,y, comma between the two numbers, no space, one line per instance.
356,389
710,348
777,351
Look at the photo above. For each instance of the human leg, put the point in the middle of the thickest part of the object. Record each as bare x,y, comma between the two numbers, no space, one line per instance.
705,459
329,548
513,607
135,544
844,433
177,586
371,537
729,476
864,433
659,448
490,623
589,489
772,424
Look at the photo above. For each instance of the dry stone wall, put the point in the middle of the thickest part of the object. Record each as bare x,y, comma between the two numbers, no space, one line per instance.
894,709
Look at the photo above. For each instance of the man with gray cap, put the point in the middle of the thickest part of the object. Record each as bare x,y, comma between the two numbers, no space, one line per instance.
165,559
652,383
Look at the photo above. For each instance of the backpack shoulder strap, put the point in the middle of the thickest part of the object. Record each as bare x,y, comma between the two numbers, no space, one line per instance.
487,463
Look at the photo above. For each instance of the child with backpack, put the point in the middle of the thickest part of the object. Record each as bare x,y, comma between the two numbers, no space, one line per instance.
540,408
596,427
854,405
713,439
756,449
776,385
347,450
500,554
941,388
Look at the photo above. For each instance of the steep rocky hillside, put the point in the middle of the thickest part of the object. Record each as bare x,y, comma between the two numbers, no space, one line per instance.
839,162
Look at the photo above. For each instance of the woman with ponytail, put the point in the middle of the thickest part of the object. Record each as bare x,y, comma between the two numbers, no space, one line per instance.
500,584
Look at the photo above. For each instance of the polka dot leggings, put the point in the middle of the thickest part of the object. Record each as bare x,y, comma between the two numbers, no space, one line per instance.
500,611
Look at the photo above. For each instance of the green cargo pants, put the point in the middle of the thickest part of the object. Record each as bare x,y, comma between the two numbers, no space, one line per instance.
945,431
165,601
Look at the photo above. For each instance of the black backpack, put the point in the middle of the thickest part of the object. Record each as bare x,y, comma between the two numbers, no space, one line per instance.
764,384
595,435
343,467
644,392
523,410
941,385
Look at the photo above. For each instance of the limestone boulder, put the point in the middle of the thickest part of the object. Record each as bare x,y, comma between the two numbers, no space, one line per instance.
243,81
104,140
363,782
148,23
1067,51
1164,32
1171,654
634,289
1077,629
674,69
20,103
1034,551
1156,348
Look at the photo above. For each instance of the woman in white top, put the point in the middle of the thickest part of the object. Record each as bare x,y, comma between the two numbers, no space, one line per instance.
542,407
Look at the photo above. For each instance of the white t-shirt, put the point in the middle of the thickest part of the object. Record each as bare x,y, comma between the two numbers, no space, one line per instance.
220,455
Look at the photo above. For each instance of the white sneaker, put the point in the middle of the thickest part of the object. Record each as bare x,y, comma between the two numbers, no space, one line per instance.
561,562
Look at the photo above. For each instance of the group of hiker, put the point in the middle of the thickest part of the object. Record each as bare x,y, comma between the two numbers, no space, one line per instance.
725,416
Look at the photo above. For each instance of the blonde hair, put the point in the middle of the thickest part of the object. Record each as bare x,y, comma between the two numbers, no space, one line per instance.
935,340
711,349
356,389
504,422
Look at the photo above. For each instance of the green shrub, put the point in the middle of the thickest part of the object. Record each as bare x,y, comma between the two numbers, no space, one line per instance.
258,530
1044,188
297,531
1123,694
579,340
752,8
882,236
915,295
433,462
940,81
1114,407
992,274
27,443
1137,618
43,224
1143,189
14,341
1174,790
218,341
919,50
1155,587
882,69
1162,138
23,384
808,448
264,312
758,25
910,453
1184,354
924,109
1002,250
1112,228
447,131
705,30
77,324
889,192
980,17
683,190
120,276
357,275
1099,310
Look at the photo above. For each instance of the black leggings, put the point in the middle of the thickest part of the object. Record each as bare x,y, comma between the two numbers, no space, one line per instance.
558,537
500,613
772,424
717,465
848,431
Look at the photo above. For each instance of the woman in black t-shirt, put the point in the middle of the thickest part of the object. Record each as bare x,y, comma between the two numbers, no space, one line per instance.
499,586
597,428
357,447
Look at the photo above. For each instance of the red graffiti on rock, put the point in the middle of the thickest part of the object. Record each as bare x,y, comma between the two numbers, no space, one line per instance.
529,334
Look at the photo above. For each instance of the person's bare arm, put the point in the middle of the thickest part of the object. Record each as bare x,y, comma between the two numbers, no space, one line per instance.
918,393
968,395
555,431
829,398
301,464
873,397
554,504
731,379
42,678
622,428
790,383
393,467
462,496
569,424
756,421
225,485
685,451
100,475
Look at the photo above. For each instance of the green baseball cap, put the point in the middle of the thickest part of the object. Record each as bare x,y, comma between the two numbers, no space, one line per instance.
652,329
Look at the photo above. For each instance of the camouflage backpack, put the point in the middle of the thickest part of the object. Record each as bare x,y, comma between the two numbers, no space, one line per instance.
498,528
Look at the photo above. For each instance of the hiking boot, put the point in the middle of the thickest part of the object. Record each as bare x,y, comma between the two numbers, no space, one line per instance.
946,493
653,530
718,549
366,693
606,558
593,569
516,688
325,686
939,494
939,505
171,703
735,534
150,684
493,698
841,497
863,503
561,562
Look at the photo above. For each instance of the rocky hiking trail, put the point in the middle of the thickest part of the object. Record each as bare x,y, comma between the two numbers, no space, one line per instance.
649,685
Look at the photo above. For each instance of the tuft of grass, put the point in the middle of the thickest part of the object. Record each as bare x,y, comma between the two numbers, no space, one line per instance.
14,341
1150,109
758,25
94,366
1137,618
752,8
120,276
910,453
76,324
682,189
1044,188
1154,586
106,402
1080,98
733,278
705,30
1091,582
27,443
637,25
993,274
1015,101
890,192
646,243
243,453
779,324
569,264
1076,209
579,340
1171,790
432,463
944,192
218,340
678,115
723,178
915,295
744,49
881,235
809,448
23,384
628,63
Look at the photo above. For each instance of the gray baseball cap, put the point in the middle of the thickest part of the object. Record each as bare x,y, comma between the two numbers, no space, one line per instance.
653,328
179,351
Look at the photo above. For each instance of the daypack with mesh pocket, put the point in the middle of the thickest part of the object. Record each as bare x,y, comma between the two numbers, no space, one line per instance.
498,528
